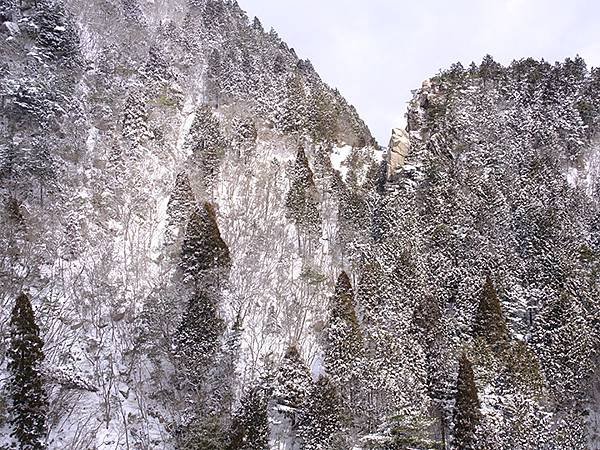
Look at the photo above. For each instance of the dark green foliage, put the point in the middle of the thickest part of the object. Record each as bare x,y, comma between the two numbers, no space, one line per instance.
132,11
206,142
564,342
250,430
157,68
25,355
203,248
302,198
295,108
490,324
489,69
213,15
467,409
182,201
256,25
56,32
322,424
135,119
35,161
342,337
408,432
322,116
222,383
204,433
214,75
292,381
197,338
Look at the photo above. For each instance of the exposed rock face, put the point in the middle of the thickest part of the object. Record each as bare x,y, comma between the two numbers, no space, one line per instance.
397,150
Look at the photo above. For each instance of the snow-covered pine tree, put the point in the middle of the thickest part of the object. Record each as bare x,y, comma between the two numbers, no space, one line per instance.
467,412
29,405
221,386
323,422
564,343
197,338
132,11
135,119
291,386
214,79
490,324
302,202
216,377
180,207
322,119
256,25
295,108
342,340
250,428
157,68
204,252
56,33
206,143
292,380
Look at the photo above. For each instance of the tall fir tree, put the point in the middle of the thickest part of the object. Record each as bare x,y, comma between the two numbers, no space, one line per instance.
342,339
490,323
291,386
292,381
564,342
302,201
467,412
180,206
323,422
250,428
135,119
206,143
295,108
25,355
197,338
204,252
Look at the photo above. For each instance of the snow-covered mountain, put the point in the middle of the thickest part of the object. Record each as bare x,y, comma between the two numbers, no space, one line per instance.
202,248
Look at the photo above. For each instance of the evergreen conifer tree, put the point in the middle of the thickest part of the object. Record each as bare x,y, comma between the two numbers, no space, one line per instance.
57,33
250,430
197,338
180,206
291,386
292,381
295,108
206,143
467,409
322,424
203,251
490,323
302,198
25,355
135,119
342,337
257,25
563,340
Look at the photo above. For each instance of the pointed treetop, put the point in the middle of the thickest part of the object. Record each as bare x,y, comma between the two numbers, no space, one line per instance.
490,323
292,352
257,25
343,285
467,412
23,316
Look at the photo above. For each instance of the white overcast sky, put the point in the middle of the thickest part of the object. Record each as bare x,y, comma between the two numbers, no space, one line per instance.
376,51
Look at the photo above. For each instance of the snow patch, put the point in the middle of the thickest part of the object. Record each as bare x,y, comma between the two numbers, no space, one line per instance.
339,157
